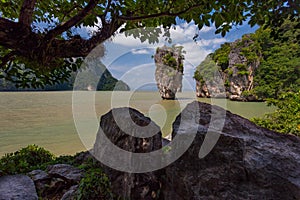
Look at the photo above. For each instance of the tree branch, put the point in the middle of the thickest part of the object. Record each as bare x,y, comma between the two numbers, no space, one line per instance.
78,47
69,11
8,57
11,33
162,14
23,42
294,5
72,21
26,12
106,9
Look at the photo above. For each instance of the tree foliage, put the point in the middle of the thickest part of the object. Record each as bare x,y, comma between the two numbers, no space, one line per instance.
286,119
24,160
38,39
205,72
279,71
95,185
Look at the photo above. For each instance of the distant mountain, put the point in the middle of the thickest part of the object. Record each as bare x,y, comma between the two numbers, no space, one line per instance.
96,76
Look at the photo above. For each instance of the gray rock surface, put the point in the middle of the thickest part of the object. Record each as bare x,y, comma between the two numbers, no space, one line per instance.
211,89
60,181
247,162
71,194
41,180
66,172
168,75
238,82
140,186
17,187
38,175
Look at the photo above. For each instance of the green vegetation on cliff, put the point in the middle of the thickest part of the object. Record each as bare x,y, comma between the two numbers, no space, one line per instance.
169,59
263,66
273,61
97,76
208,68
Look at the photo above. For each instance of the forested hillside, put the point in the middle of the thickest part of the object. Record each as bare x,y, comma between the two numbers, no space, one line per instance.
87,80
257,66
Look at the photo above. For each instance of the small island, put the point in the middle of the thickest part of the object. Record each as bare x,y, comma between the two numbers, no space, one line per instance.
169,70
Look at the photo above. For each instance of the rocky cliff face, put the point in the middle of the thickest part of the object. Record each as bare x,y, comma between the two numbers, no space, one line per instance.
97,77
209,80
210,90
169,71
238,73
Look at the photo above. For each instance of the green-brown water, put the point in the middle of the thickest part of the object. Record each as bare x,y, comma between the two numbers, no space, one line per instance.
45,118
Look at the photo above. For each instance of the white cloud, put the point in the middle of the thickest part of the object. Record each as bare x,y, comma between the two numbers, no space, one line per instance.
128,41
211,42
140,51
122,52
183,32
122,47
180,34
206,29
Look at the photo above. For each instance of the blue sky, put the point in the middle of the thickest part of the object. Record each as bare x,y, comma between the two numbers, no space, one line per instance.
130,60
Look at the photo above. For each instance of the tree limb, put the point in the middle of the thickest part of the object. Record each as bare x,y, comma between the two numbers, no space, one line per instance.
8,57
72,21
106,9
294,4
32,46
11,33
26,12
69,11
78,47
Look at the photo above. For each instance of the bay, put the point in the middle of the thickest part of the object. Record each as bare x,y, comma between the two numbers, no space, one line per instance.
46,118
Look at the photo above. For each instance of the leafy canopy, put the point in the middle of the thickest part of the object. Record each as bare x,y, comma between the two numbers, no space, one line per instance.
286,119
38,38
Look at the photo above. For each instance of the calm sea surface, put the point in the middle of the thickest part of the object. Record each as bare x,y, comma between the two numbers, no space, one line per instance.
46,119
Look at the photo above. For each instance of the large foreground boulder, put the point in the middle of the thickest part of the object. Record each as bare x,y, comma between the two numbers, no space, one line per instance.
247,162
124,128
17,187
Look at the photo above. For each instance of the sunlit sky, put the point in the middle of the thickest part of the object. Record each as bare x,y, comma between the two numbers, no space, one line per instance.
130,60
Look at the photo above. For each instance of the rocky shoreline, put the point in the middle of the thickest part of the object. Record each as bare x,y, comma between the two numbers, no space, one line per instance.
247,162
